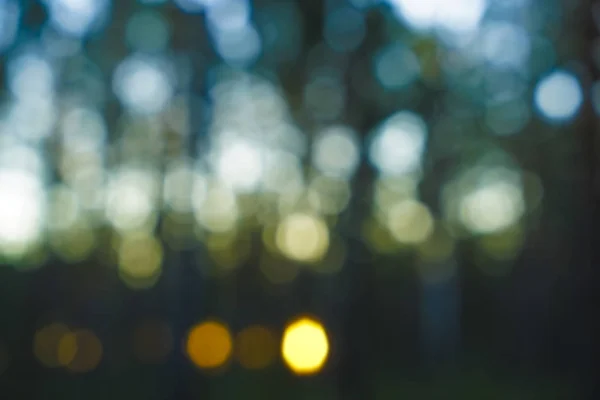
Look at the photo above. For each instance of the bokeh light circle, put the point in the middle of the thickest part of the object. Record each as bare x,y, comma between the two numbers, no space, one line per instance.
209,345
303,237
398,144
142,84
558,96
305,346
410,222
336,152
256,347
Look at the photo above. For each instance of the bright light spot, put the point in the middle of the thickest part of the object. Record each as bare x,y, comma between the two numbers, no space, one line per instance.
209,345
75,17
492,207
460,16
505,44
305,346
457,16
399,143
140,260
240,166
131,196
410,222
142,85
303,237
336,152
251,108
558,96
22,211
30,76
418,14
396,66
218,211
256,347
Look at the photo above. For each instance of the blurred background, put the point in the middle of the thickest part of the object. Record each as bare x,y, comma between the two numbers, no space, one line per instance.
279,199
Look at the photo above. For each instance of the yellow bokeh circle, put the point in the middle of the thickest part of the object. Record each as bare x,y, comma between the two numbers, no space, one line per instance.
305,346
209,345
410,222
302,237
140,261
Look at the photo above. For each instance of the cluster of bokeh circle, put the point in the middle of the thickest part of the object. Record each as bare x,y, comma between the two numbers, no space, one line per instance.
174,170
254,164
209,345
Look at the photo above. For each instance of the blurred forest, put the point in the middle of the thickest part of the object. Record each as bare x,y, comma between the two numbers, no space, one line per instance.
419,176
